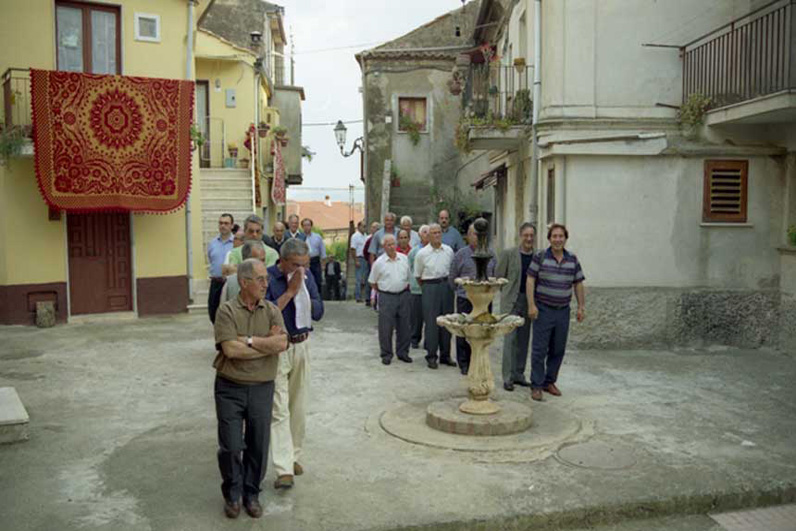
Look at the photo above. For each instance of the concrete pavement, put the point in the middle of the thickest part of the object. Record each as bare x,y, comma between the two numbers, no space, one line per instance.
122,436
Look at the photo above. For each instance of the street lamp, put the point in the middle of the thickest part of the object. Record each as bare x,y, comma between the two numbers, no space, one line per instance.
340,131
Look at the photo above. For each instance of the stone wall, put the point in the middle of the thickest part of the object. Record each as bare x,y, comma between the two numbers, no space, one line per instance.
619,318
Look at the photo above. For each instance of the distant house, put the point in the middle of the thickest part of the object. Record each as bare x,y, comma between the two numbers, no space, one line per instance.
411,164
331,217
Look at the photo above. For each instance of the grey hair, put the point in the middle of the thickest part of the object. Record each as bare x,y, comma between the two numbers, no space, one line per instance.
527,225
423,228
386,237
390,215
434,226
246,270
406,218
249,246
293,246
254,218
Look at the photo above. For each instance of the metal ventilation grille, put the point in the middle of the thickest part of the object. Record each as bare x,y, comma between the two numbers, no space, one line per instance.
725,191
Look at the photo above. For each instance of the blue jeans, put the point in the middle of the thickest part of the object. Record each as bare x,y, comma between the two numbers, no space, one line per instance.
362,277
550,331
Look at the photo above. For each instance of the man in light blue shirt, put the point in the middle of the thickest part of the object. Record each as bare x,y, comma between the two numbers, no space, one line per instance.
450,235
376,247
217,250
317,251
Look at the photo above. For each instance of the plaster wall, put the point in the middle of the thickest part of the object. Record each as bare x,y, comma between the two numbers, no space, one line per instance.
646,228
588,46
434,161
288,101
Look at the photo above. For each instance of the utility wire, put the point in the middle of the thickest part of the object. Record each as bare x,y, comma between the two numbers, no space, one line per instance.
331,123
321,50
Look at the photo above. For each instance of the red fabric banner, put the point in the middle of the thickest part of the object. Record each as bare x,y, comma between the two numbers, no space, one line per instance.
278,191
112,143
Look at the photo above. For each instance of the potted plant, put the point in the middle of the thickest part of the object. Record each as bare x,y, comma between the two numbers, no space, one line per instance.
281,134
262,129
197,137
12,142
519,64
232,147
411,128
691,114
493,90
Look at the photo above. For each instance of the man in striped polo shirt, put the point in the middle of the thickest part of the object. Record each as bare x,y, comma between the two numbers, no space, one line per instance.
551,277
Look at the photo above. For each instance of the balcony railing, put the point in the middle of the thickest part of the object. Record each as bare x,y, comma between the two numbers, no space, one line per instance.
498,92
750,57
16,98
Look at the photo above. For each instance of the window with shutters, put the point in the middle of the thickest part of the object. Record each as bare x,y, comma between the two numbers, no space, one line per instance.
725,191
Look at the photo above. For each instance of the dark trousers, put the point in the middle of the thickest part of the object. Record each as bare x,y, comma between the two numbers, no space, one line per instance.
315,268
515,346
242,460
550,331
394,316
417,318
214,298
333,288
463,350
437,300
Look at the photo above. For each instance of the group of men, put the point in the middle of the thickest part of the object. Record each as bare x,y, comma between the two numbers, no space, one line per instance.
268,296
414,286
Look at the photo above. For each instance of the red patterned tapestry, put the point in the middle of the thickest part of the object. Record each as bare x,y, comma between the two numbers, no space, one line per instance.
112,143
278,191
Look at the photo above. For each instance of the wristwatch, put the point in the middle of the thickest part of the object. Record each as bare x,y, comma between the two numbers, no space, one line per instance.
250,342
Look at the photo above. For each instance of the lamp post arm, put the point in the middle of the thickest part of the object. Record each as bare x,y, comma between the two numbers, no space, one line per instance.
358,145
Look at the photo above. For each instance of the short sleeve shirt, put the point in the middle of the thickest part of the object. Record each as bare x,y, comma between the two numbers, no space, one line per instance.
554,280
358,242
236,256
233,320
431,263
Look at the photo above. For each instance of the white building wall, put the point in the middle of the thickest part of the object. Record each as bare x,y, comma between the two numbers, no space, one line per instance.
637,222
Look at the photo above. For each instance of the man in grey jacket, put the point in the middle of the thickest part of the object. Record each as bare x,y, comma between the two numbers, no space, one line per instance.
513,265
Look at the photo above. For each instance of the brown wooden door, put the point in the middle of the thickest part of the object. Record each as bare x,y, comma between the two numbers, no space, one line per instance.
99,263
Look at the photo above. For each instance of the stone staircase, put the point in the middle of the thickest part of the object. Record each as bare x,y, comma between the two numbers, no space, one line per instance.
223,190
413,200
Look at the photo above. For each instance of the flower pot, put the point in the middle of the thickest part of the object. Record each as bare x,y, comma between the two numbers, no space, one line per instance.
233,152
283,141
262,133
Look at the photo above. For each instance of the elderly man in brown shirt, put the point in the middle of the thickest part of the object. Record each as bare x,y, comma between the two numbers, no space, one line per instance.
249,336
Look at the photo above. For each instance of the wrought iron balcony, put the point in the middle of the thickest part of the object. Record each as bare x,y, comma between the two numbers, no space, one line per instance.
16,98
498,92
750,57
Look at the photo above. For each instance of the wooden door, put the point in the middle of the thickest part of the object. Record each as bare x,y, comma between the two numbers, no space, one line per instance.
203,115
100,262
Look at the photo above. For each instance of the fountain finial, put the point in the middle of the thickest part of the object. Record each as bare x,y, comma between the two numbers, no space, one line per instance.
482,254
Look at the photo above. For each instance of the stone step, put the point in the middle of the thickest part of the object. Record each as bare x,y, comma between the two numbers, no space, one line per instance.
227,204
14,418
215,186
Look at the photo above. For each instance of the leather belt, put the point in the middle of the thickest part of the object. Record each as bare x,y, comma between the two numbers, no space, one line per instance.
434,280
393,292
300,338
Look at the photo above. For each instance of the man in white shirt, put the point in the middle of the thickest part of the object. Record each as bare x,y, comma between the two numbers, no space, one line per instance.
390,276
357,248
432,266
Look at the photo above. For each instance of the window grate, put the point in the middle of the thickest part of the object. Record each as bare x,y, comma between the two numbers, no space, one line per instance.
725,191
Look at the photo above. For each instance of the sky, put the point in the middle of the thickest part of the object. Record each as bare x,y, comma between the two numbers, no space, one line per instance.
331,78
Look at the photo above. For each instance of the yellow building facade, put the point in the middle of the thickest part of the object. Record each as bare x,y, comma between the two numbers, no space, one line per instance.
136,38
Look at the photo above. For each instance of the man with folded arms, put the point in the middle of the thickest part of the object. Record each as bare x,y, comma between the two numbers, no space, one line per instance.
249,335
390,276
293,290
551,278
432,266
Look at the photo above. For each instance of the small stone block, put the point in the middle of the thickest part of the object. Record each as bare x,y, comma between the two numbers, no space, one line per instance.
13,417
447,417
45,314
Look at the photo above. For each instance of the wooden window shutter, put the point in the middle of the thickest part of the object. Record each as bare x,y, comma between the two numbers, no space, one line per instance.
725,191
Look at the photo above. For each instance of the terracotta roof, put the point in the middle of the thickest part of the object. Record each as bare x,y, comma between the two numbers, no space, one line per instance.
331,215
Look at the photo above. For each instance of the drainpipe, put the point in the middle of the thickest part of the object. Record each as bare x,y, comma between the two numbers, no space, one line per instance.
255,136
537,101
188,225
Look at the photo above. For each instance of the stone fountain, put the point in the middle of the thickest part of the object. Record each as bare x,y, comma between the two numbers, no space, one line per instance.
479,414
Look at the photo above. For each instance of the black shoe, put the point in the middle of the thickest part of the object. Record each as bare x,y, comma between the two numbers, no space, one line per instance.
253,508
448,362
508,386
415,345
386,361
432,364
405,359
231,509
464,369
522,383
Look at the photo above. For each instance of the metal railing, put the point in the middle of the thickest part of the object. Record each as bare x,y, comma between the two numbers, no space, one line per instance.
498,92
214,151
750,57
16,98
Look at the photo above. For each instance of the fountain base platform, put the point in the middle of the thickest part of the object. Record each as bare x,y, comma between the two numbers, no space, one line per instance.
489,418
